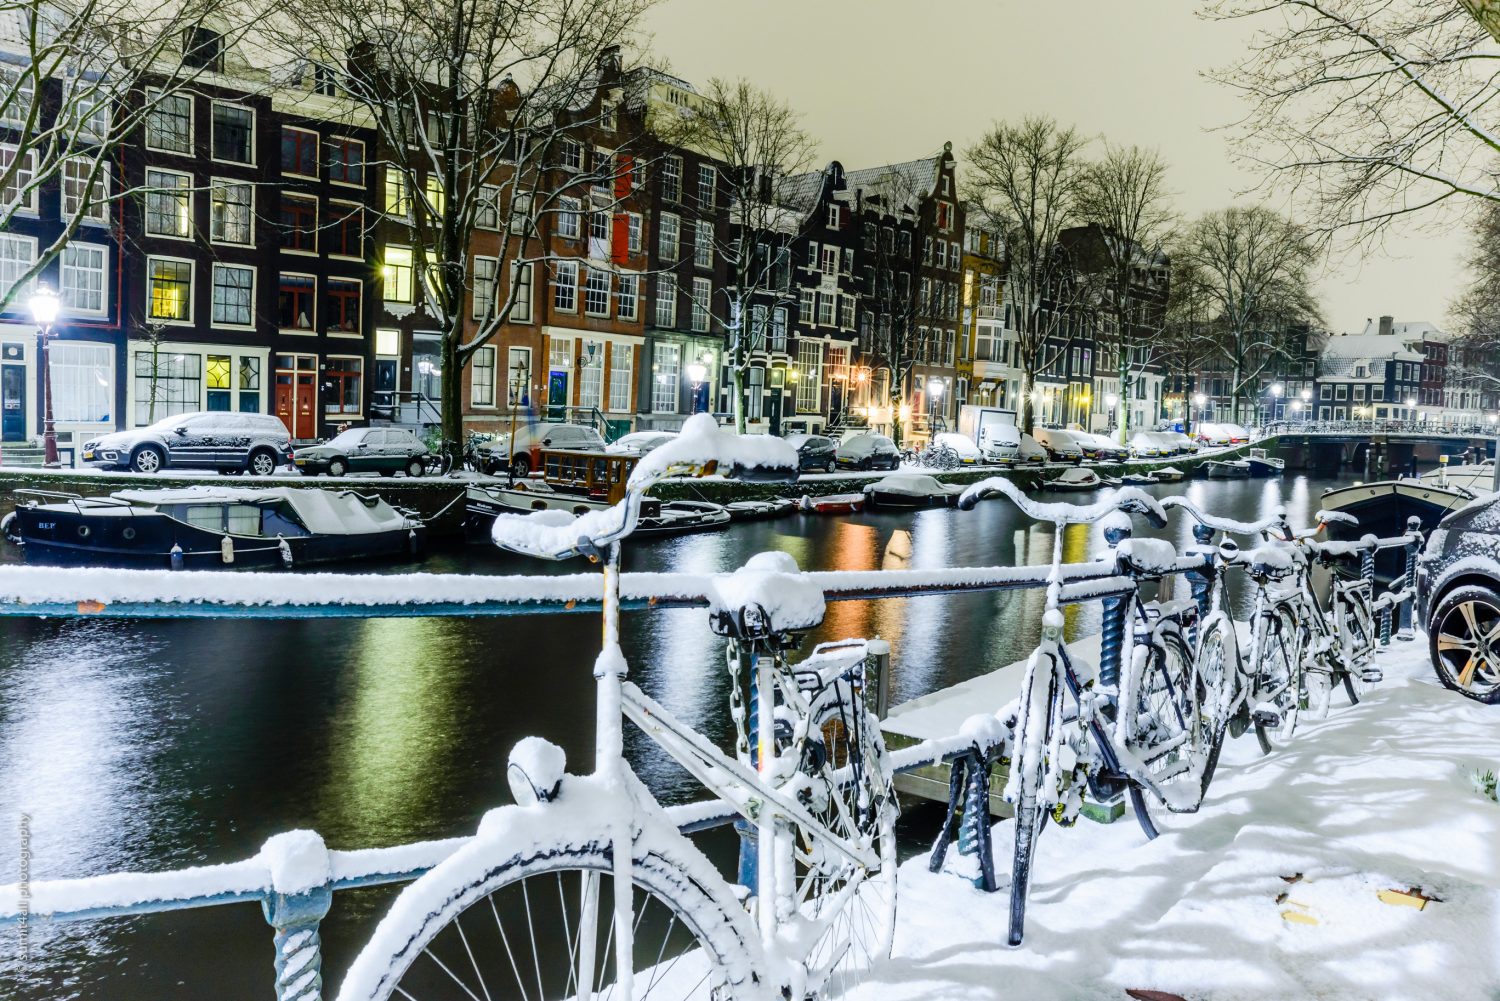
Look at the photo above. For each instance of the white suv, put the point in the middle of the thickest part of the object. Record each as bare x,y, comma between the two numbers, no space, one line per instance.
227,441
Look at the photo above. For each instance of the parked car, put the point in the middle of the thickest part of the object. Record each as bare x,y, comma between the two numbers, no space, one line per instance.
386,451
968,452
1181,443
223,440
640,442
867,450
1238,433
1100,447
1458,599
494,456
1148,445
1028,450
1002,444
814,451
1213,435
1061,446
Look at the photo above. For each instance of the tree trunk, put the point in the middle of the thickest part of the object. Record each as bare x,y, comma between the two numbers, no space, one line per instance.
1122,435
1027,408
739,398
452,392
1234,396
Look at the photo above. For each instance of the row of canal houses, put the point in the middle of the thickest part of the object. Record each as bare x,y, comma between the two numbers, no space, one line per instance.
261,264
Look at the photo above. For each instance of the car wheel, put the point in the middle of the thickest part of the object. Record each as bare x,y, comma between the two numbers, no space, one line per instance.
520,466
828,467
262,463
415,468
1463,643
147,459
337,467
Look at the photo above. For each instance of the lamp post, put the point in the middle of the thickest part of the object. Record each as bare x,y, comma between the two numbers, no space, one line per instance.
44,307
1200,401
1111,400
696,373
1277,389
519,377
934,397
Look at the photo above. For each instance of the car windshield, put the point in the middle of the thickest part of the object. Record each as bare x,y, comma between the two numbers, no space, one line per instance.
175,421
348,439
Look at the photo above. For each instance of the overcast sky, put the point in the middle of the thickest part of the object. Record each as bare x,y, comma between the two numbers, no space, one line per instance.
886,80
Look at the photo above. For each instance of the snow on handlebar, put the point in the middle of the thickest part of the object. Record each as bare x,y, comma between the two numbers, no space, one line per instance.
1127,499
1274,520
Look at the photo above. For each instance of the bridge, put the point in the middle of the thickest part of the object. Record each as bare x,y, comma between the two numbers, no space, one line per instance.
1377,448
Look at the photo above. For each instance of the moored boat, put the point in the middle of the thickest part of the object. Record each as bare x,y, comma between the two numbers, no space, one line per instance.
1479,478
832,503
1075,479
213,528
483,502
1262,464
1383,509
1139,479
1168,474
759,510
911,490
1227,469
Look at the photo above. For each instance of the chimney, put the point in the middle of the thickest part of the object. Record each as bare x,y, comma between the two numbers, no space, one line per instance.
1385,326
609,60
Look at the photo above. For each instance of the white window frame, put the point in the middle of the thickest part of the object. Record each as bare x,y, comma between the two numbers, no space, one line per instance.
707,172
75,187
669,223
703,244
154,101
703,291
486,285
192,290
634,223
487,215
522,276
627,297
478,385
665,376
671,180
213,152
565,278
620,376
67,269
217,185
16,240
23,181
569,218
833,217
827,309
93,359
665,306
154,191
389,286
591,375
597,287
214,270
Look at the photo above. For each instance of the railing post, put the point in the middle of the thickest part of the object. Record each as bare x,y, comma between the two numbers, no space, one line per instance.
299,900
880,659
1116,612
1413,529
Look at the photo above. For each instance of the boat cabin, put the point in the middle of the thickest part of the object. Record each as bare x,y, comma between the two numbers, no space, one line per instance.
600,475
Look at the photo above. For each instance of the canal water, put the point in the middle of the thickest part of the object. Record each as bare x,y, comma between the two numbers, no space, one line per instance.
162,744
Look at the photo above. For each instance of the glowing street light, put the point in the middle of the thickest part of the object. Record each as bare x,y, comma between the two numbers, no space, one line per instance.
44,308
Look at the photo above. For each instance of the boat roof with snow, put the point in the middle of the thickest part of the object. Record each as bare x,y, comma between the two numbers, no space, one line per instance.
323,512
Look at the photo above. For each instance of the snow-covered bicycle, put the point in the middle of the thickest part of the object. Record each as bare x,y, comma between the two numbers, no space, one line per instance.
1138,727
586,888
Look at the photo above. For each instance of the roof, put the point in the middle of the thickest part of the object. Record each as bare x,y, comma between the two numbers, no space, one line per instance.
1408,330
800,190
1371,346
912,180
325,512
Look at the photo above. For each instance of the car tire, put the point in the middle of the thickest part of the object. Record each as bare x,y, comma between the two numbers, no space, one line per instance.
520,466
829,467
415,468
147,459
262,462
1450,619
337,467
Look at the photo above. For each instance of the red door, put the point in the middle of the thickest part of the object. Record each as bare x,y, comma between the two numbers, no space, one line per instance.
284,404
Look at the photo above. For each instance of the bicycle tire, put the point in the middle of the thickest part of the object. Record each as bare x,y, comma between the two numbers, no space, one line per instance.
1030,817
1279,661
1183,716
422,940
1217,631
1358,621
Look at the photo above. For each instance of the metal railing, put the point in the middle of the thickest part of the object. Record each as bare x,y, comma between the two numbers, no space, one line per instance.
1383,427
401,406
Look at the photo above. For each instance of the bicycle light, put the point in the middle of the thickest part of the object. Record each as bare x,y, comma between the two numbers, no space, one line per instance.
534,771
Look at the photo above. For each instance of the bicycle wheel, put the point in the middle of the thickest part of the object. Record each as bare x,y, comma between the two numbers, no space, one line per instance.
1280,682
1031,814
519,915
1216,666
1358,629
853,794
1174,738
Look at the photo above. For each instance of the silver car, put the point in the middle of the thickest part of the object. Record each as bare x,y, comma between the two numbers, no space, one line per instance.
495,456
226,441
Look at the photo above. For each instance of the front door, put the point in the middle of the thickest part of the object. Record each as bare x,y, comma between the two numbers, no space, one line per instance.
297,395
773,410
835,400
557,396
12,403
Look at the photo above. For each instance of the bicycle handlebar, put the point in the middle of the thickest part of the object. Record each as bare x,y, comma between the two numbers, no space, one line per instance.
1276,520
1127,499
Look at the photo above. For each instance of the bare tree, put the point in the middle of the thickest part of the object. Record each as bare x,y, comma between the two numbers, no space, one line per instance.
1124,198
1254,269
85,76
1474,359
1028,176
756,139
480,107
1187,340
1370,110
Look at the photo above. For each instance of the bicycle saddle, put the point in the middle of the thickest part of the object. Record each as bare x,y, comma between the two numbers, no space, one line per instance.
1274,561
767,596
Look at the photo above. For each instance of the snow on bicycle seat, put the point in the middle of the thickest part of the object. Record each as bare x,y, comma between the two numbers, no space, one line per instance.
1274,560
768,595
1152,557
554,534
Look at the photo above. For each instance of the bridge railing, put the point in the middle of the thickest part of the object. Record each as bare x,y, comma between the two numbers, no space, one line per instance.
1364,428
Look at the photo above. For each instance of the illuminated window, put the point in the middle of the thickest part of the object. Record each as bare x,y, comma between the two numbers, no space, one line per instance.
171,289
398,274
216,377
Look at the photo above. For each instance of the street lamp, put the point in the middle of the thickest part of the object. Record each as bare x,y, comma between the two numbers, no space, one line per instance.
1200,401
934,395
696,372
1111,400
44,306
1277,389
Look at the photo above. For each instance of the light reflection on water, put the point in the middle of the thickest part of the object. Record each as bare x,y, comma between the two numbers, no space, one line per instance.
158,744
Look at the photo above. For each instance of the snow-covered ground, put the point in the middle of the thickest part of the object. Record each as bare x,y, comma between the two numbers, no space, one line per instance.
1375,797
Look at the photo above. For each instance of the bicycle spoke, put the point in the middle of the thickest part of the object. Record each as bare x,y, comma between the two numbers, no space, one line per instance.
510,954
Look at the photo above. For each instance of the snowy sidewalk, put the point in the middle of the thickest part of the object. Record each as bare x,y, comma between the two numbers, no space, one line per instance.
1375,797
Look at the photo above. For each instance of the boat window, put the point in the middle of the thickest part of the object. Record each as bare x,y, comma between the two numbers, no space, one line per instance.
242,519
204,516
279,521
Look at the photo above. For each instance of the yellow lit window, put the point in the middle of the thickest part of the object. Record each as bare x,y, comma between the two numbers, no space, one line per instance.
171,290
396,201
435,197
397,274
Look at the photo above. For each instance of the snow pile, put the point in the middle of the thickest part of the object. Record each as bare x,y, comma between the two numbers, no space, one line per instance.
1271,891
749,456
1149,556
911,485
554,534
773,582
298,860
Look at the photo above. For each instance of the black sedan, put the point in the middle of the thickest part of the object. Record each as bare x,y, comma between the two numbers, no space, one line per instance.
815,452
386,451
868,451
1458,596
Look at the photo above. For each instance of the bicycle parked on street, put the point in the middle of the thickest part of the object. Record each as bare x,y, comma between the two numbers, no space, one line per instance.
585,887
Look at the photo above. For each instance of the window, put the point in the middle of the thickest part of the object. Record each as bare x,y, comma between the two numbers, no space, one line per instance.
806,306
82,380
16,83
846,267
945,216
627,296
846,312
487,215
166,384
833,217
633,225
346,162
397,200
299,223
571,155
708,178
755,393
482,378
703,291
346,231
621,374
486,280
667,232
596,292
664,383
826,308
231,207
671,179
217,377
599,220
434,196
941,260
169,123
1341,392
809,375
342,385
591,375
233,133
344,301
85,199
778,329
20,190
17,254
170,285
82,277
703,245
569,222
904,246
666,301
830,260
397,274
518,376
233,298
299,154
203,48
1377,393
520,306
169,204
295,308
812,257
565,287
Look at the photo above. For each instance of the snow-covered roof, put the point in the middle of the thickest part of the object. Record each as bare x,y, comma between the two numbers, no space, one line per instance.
910,182
1408,330
800,190
1372,346
325,512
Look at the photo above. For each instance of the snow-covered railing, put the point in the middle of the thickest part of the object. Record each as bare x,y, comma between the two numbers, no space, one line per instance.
1386,428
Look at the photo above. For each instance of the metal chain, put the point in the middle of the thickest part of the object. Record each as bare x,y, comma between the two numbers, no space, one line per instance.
737,701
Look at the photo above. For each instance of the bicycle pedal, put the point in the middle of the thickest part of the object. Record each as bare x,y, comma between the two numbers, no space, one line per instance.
1267,719
1370,675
